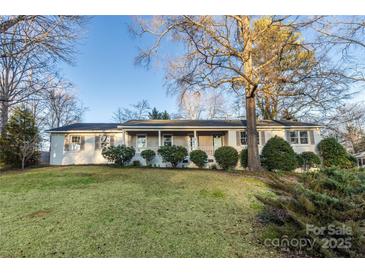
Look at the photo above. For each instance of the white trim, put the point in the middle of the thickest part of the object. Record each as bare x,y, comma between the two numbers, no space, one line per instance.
70,142
299,140
159,138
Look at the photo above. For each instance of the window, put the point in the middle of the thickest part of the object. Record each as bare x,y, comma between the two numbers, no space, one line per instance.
141,142
303,137
243,137
75,144
293,137
104,141
167,140
298,137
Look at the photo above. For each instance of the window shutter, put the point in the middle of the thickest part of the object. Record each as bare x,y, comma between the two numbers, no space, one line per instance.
82,144
112,140
97,142
311,137
262,137
238,138
287,132
66,143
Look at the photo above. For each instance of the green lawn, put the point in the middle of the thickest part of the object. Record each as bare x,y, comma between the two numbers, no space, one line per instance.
99,211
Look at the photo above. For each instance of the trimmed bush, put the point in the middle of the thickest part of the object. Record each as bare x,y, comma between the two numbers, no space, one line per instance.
333,154
308,160
119,155
331,200
199,158
300,160
244,158
226,157
173,154
352,159
277,154
148,155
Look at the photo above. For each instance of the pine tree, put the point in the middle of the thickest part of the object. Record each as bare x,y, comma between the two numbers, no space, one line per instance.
19,143
165,115
154,114
332,200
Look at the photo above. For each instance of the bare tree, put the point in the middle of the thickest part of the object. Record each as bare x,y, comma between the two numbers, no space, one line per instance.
29,49
20,79
343,34
61,107
138,111
121,115
52,35
263,58
27,148
191,106
219,53
216,105
202,105
347,123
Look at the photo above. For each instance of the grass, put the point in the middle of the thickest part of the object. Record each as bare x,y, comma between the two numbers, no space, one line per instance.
100,211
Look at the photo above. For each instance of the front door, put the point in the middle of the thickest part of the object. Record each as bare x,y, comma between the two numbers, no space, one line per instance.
217,141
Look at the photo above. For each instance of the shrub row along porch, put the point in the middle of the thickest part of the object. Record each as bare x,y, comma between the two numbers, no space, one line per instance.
207,141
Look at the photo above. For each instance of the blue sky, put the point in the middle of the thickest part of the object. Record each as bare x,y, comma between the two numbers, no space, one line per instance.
104,73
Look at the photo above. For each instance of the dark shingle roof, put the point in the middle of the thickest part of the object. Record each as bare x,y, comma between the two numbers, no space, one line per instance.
289,123
211,123
185,123
178,123
87,126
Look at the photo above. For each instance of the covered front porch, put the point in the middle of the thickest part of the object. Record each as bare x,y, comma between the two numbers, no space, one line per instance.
206,140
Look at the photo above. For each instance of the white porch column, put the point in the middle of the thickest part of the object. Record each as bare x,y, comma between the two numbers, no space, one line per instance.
195,140
159,138
126,137
123,137
232,135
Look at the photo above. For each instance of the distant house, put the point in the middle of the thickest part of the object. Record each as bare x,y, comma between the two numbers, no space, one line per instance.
82,143
360,159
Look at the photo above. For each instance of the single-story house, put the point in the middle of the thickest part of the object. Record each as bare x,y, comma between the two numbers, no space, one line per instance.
82,143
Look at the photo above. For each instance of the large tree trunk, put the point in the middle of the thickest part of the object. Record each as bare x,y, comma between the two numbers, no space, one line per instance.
4,115
253,162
